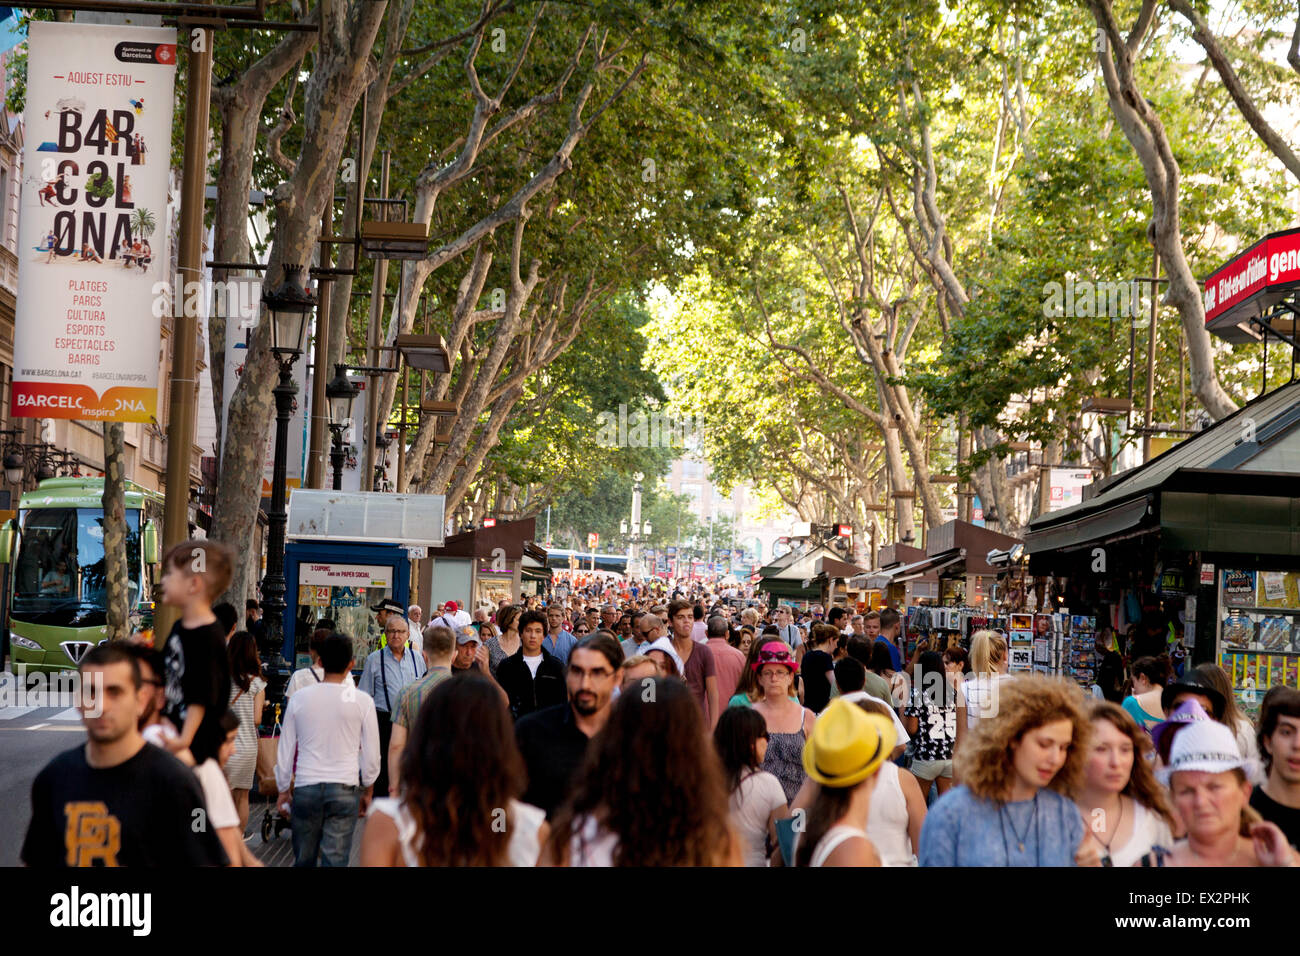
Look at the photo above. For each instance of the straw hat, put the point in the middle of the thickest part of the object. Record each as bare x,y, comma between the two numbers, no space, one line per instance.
847,745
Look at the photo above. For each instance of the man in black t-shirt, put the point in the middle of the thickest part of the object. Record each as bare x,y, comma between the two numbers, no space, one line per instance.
116,801
195,666
1278,799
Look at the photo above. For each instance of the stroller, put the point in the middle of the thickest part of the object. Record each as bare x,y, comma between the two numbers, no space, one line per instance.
273,823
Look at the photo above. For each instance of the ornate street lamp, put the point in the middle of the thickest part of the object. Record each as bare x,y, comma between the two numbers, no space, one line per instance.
289,305
340,391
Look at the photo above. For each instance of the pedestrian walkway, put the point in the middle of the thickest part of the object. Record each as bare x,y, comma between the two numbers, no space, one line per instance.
27,717
278,851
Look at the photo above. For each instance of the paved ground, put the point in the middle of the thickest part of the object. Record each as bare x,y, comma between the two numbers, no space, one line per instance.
30,736
278,851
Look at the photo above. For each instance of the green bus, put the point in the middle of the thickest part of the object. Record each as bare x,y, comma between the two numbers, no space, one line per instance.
55,554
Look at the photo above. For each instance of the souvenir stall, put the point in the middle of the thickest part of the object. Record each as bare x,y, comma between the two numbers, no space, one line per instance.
958,553
346,552
484,566
903,578
1196,551
832,577
790,578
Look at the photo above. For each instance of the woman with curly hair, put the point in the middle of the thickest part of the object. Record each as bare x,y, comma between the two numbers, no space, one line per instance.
1127,811
456,786
655,742
1016,769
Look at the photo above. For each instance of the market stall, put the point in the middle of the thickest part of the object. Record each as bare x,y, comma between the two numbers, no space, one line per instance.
1198,549
484,566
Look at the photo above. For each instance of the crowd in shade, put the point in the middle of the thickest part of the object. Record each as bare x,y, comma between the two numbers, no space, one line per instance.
655,725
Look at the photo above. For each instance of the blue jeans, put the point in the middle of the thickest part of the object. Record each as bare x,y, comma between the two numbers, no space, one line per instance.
323,818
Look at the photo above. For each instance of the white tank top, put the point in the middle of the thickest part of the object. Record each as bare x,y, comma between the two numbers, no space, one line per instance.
887,819
522,849
831,841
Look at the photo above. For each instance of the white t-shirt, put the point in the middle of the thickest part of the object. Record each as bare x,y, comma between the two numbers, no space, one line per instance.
887,820
160,734
857,695
216,794
980,696
533,663
591,845
752,803
1149,829
307,676
454,621
522,850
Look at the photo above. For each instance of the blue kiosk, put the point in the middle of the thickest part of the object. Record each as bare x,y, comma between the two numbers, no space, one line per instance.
341,582
348,551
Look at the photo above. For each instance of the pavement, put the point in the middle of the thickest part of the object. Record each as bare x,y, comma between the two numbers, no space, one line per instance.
30,736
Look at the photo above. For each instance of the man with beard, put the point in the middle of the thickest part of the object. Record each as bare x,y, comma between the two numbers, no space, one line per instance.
554,740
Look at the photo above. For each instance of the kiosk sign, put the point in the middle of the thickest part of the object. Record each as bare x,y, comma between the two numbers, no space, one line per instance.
1251,282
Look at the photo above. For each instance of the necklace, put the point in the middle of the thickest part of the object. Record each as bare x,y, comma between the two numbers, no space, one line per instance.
1020,840
1118,822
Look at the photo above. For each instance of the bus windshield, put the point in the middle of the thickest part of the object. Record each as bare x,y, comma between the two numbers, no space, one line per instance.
59,576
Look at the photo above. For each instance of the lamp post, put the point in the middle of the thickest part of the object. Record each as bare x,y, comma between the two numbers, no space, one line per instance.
637,531
339,393
289,304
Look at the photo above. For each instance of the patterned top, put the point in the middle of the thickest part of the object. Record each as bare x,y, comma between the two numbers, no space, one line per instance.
495,654
784,761
413,695
936,727
239,771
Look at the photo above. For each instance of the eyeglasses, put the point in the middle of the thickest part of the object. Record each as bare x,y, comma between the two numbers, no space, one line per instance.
398,630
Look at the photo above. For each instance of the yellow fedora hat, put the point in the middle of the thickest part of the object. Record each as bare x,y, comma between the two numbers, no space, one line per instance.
847,745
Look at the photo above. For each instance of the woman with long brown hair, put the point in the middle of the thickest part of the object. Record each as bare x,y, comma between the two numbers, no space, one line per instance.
656,742
843,757
1126,810
747,689
247,699
460,802
1016,769
505,643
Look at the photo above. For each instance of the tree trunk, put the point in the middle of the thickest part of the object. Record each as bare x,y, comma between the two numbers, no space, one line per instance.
1144,130
240,107
116,587
341,72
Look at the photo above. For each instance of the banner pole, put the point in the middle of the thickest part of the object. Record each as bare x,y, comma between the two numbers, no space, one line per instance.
183,406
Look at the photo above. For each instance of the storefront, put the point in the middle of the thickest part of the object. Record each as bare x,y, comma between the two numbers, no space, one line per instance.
903,578
485,566
1197,550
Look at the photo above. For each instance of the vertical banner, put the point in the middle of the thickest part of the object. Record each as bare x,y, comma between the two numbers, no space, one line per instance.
94,203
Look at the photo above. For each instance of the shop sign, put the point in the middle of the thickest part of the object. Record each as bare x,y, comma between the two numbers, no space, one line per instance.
1253,279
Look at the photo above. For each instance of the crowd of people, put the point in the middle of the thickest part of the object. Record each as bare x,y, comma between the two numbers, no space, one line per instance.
657,725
